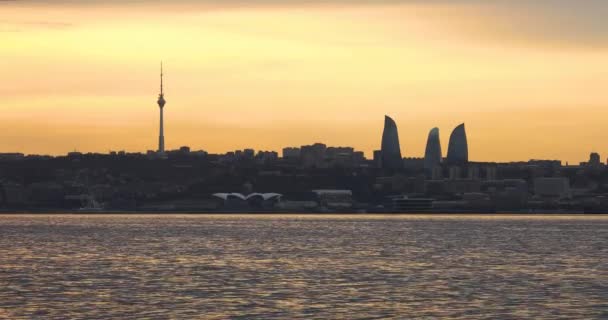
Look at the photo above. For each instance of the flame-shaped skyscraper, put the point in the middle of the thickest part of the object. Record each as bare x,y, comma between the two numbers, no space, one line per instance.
432,154
458,149
391,150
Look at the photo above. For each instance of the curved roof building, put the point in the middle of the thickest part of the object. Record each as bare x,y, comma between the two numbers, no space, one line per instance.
263,196
391,150
432,154
458,149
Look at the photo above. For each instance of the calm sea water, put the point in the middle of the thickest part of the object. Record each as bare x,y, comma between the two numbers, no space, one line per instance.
303,267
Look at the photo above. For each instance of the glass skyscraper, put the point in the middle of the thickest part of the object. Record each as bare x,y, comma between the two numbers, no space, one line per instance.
391,150
432,154
458,149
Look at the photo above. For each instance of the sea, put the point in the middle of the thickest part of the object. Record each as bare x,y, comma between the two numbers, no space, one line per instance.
172,266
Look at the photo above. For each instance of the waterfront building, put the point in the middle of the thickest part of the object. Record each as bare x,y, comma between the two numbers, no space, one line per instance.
402,203
507,194
458,150
237,200
334,199
552,187
391,149
12,193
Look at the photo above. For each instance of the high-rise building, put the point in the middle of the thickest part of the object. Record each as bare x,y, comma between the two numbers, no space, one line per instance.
291,153
313,156
594,159
432,154
248,154
458,149
378,158
391,150
161,104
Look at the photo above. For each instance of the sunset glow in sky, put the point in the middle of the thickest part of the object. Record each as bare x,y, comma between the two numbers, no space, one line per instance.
529,78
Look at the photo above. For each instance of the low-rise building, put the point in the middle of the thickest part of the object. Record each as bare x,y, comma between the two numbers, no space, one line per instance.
335,199
557,187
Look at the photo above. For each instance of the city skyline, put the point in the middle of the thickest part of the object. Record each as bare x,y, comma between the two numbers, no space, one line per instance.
303,159
82,79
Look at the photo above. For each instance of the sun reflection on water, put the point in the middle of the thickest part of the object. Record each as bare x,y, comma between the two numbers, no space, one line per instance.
288,267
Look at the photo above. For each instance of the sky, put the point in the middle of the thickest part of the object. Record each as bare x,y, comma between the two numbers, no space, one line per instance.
528,78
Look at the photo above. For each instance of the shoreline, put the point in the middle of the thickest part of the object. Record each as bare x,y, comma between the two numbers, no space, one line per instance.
198,212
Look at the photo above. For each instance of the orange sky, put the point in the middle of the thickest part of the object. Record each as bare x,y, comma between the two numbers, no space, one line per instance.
528,82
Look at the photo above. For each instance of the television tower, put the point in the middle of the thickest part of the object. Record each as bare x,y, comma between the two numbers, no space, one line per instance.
161,104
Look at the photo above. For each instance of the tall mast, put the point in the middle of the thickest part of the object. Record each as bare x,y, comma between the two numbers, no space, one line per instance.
161,78
161,104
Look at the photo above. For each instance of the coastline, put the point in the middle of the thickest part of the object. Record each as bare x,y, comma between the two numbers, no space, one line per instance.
261,212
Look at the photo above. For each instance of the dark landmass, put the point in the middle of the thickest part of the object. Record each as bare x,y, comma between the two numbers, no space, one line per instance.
316,179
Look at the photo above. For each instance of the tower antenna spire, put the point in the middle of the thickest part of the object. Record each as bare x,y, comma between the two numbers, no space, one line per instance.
161,77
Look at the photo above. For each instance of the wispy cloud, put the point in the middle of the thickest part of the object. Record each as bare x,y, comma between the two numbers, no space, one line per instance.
20,26
538,22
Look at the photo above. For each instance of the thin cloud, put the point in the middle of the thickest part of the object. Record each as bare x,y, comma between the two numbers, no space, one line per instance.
21,26
540,23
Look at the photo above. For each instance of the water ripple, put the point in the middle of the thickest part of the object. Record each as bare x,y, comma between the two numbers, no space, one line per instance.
296,267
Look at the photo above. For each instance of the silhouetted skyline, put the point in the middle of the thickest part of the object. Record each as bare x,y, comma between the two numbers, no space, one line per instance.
267,74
